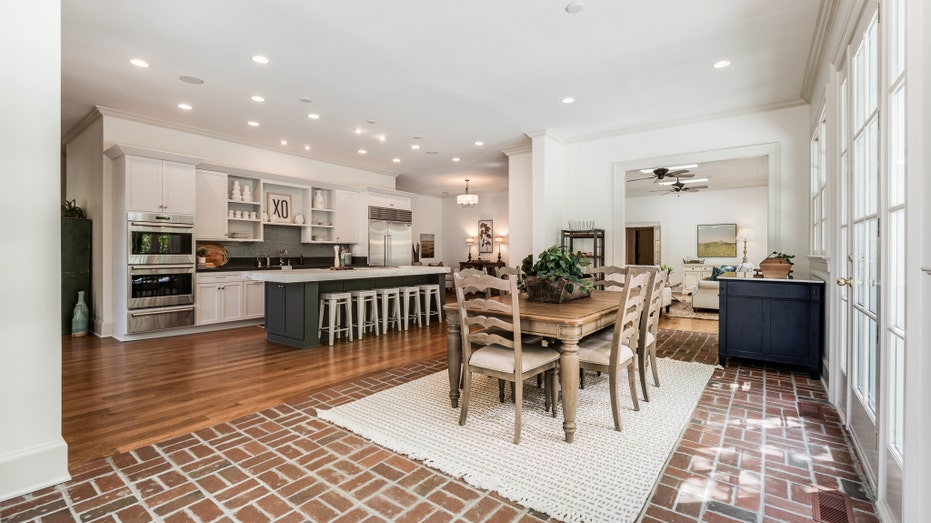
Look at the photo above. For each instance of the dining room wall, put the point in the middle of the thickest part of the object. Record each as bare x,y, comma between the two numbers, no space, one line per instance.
460,222
590,190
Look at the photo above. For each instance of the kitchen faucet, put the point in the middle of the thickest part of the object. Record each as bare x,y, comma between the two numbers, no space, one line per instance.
282,254
268,261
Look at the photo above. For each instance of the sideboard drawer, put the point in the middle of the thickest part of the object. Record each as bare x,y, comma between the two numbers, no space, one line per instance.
774,289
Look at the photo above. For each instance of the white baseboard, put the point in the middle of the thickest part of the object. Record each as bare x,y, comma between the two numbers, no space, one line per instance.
102,330
33,469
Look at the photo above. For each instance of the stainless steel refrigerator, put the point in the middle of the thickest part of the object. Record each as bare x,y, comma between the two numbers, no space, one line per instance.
390,237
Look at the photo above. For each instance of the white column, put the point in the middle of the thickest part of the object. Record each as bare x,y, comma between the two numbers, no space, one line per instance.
32,452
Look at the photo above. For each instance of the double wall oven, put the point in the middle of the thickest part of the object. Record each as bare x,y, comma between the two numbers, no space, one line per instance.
161,266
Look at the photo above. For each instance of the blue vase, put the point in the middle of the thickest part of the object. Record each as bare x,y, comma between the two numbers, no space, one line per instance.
80,318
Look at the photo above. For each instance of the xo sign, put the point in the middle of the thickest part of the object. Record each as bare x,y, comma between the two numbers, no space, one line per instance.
279,207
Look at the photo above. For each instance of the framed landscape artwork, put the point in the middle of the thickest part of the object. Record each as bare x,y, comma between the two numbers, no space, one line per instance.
486,237
717,240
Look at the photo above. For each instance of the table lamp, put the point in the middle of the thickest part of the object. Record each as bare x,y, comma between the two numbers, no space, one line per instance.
498,241
470,241
745,235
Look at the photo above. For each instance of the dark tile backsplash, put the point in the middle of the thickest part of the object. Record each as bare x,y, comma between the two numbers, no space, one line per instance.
276,240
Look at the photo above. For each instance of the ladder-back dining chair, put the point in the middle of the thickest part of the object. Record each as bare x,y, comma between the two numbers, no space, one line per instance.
610,355
492,344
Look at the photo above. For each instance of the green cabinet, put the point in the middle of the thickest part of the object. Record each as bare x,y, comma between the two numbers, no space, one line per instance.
75,267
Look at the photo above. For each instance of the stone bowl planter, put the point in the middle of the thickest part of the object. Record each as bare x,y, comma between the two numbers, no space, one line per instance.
553,291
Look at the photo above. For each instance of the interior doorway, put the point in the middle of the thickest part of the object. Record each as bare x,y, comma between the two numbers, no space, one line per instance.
643,245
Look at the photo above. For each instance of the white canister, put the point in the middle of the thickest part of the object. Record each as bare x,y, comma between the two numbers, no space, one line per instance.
299,219
239,215
232,213
236,192
253,215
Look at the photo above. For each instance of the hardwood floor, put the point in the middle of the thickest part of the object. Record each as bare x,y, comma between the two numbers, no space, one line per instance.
121,396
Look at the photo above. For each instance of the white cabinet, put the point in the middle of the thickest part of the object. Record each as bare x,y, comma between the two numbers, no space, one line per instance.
253,297
347,216
243,209
154,185
218,298
691,274
390,201
210,219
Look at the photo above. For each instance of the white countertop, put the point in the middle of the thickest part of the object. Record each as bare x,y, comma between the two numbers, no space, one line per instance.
305,275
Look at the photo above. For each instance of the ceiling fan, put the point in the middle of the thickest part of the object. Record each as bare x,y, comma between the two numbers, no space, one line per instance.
679,187
662,173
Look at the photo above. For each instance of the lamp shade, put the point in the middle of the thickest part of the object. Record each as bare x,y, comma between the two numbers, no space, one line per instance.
499,240
467,200
746,234
470,240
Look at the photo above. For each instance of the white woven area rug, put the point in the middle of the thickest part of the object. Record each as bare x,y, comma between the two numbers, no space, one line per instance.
604,475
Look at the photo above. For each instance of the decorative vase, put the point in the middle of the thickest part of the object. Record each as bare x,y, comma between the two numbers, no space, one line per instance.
80,318
318,200
246,193
299,219
236,192
336,256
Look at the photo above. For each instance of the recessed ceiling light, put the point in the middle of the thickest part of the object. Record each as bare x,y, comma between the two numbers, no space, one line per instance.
257,98
305,99
259,59
139,62
186,107
396,160
479,143
362,151
306,147
382,138
568,100
358,130
253,123
193,80
415,147
284,142
722,64
313,116
456,159
575,7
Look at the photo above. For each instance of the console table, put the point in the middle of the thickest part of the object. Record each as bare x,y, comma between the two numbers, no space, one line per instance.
485,265
773,320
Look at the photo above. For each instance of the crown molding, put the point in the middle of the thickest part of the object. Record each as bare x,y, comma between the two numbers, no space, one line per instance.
106,111
546,133
816,51
524,149
775,106
846,30
81,126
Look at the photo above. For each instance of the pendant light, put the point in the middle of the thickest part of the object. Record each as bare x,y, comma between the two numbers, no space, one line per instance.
467,200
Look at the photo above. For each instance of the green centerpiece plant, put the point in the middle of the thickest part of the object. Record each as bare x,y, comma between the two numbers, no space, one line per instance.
556,276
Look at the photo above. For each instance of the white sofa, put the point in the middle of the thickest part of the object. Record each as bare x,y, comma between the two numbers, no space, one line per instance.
705,295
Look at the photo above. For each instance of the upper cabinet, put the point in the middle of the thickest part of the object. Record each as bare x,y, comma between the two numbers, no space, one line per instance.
210,218
390,201
242,209
346,204
155,181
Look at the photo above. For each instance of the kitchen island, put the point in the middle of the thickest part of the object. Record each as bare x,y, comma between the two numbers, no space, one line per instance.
292,296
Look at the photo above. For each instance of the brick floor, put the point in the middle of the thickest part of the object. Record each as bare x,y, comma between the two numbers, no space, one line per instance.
747,455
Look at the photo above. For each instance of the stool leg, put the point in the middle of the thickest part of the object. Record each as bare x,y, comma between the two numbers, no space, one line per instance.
348,306
320,319
426,302
405,308
397,312
417,309
384,314
332,321
360,314
373,312
439,306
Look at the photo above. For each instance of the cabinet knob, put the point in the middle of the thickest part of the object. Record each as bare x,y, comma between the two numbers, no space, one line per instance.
844,281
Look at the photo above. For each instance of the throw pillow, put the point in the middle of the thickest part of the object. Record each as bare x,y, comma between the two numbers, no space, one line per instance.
717,271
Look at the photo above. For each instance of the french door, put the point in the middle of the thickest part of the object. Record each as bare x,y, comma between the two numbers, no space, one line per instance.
870,241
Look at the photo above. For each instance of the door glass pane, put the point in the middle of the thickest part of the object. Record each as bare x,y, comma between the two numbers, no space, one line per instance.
872,166
897,394
870,364
872,77
843,192
871,285
859,322
897,147
896,286
859,263
843,117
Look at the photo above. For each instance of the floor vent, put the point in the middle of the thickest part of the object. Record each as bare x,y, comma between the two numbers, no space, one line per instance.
831,507
810,410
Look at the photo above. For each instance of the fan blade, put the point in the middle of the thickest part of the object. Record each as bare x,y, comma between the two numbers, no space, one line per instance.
680,173
695,187
639,179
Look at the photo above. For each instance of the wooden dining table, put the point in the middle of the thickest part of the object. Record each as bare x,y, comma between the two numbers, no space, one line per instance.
567,322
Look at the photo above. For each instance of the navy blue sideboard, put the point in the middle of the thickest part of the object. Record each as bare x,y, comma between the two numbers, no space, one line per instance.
779,321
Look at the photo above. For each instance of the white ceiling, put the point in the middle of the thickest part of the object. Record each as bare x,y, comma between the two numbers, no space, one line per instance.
721,175
449,72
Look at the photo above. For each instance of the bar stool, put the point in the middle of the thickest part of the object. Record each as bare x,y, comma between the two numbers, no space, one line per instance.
427,291
331,302
386,297
366,311
408,294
